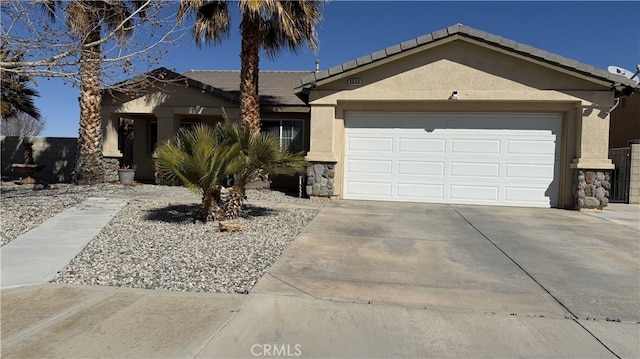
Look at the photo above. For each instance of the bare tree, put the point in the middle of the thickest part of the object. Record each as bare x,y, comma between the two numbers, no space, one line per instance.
38,32
90,43
21,125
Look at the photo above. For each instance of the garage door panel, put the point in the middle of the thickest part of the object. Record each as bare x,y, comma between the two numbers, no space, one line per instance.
421,192
422,122
418,145
470,169
531,148
544,124
477,122
370,123
372,190
520,195
374,167
530,171
370,144
422,168
474,146
494,159
474,193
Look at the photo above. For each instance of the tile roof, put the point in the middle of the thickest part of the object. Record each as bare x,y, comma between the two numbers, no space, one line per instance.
275,87
465,31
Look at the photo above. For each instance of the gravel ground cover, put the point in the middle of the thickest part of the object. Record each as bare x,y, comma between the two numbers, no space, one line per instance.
153,242
22,208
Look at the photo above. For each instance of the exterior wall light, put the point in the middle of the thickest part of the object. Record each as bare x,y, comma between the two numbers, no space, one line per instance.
454,95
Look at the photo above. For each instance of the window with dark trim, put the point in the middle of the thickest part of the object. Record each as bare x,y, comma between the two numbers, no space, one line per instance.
289,132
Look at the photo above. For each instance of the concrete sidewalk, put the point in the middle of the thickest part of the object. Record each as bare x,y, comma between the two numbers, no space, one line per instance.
36,256
65,321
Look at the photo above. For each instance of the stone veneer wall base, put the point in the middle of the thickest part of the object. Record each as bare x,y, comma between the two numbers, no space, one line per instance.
592,189
320,179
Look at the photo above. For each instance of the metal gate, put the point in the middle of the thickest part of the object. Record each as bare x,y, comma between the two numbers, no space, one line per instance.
621,158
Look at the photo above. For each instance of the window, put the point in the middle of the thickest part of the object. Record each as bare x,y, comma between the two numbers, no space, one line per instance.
289,132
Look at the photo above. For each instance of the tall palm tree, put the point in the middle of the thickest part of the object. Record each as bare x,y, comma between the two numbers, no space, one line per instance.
17,96
269,25
86,19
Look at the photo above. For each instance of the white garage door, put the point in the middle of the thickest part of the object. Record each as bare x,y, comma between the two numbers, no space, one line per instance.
491,159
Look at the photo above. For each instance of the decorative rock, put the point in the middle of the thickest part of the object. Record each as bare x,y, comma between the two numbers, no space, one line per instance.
310,171
591,202
316,189
589,177
309,190
331,174
600,193
604,202
226,226
590,190
606,185
323,182
318,170
599,176
324,191
331,166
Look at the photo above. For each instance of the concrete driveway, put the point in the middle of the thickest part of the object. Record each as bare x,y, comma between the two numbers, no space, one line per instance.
521,261
473,259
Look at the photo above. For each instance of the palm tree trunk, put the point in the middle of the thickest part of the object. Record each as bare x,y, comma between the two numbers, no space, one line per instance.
250,58
89,168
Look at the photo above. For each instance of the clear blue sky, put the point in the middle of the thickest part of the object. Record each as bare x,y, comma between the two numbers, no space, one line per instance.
598,33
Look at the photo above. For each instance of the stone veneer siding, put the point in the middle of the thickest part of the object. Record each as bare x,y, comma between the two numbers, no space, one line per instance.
320,177
111,166
592,189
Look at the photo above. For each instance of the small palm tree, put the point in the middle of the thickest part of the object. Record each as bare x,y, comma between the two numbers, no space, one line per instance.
200,159
260,155
203,157
269,25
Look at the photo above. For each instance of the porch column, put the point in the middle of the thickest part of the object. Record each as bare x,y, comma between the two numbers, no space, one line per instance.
324,150
111,155
168,125
110,122
592,164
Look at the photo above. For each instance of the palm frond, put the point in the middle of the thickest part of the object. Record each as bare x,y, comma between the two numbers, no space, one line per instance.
212,20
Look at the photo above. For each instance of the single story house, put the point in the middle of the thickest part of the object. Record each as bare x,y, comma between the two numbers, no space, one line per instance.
455,116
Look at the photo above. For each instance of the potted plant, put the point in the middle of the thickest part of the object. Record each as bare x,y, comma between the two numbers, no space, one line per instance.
126,174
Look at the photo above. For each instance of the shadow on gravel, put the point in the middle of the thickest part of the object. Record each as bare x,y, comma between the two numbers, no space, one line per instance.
249,211
183,213
175,213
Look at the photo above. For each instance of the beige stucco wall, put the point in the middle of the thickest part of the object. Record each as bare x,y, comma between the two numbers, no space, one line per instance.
487,80
634,176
